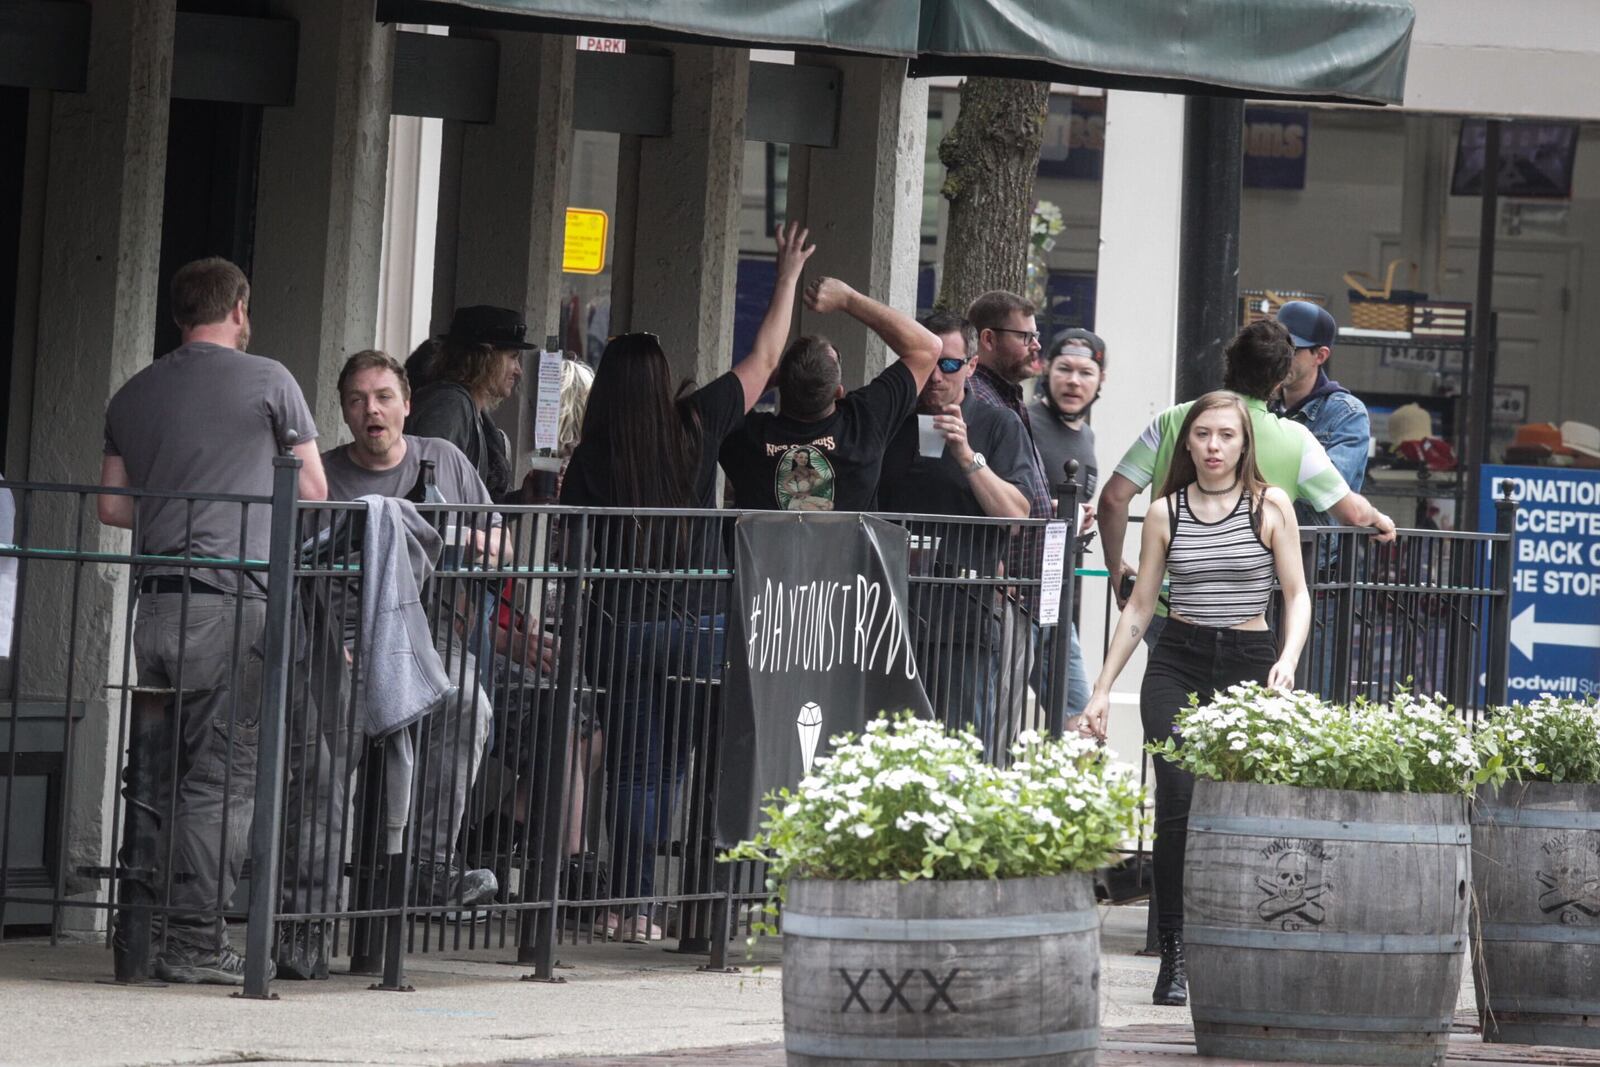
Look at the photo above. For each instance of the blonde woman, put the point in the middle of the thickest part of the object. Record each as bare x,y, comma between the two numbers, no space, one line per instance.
1223,536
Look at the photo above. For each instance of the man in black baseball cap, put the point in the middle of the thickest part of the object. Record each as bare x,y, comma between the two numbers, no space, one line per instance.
477,367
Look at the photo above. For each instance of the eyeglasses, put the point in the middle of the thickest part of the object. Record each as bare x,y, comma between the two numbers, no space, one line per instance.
1029,337
950,364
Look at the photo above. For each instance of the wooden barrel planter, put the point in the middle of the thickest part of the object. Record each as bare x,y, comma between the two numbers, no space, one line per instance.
1536,916
935,972
1325,926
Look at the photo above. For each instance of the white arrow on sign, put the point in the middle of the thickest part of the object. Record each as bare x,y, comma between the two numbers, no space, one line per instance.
1527,631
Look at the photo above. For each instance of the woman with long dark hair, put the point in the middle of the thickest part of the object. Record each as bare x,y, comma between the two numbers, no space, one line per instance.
1222,536
656,643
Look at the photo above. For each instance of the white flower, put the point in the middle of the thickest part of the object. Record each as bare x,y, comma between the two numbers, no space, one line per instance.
861,830
1434,756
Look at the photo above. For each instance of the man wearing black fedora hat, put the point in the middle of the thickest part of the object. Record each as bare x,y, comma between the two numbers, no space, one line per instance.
478,365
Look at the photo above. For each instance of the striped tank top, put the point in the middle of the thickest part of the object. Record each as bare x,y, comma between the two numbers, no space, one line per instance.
1220,573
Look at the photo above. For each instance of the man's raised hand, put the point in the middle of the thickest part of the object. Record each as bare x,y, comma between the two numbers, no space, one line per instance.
826,295
792,249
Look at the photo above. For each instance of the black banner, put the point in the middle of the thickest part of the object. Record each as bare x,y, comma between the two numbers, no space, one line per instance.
820,640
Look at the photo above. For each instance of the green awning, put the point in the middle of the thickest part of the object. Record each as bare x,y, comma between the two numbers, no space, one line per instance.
1333,50
875,27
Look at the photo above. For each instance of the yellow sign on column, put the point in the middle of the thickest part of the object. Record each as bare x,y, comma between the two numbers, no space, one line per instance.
584,249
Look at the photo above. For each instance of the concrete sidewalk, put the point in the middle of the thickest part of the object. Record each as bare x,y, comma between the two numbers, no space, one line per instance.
468,1008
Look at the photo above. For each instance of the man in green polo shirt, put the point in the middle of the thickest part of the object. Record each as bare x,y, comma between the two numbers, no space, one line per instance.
1258,361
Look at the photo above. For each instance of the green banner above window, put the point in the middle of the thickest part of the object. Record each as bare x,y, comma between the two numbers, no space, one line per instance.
875,27
1330,50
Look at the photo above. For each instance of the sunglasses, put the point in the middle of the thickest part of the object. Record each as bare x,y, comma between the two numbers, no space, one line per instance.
950,364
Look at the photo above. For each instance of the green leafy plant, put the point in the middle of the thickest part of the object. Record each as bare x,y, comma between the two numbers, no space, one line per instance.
908,799
1410,745
1552,739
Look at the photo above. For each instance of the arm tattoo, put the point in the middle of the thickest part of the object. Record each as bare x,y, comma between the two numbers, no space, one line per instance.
1133,631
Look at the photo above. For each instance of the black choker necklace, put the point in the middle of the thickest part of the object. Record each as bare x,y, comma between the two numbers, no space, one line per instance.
1218,492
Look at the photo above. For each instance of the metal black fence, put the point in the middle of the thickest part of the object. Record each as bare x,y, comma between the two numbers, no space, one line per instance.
565,789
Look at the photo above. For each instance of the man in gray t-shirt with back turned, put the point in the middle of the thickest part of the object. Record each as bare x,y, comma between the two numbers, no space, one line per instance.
204,418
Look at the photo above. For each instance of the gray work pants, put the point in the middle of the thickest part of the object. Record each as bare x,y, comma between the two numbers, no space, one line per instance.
211,654
325,746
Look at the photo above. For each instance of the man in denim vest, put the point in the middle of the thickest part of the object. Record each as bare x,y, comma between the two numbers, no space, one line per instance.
1339,422
1332,413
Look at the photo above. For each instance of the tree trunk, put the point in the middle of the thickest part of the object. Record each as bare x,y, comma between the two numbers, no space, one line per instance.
991,155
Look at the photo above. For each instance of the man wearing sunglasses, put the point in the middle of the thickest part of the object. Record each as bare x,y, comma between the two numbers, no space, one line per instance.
979,469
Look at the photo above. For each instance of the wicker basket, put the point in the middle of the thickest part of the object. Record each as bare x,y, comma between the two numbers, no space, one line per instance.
1258,304
1385,308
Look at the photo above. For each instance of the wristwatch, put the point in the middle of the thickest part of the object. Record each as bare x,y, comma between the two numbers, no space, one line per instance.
977,464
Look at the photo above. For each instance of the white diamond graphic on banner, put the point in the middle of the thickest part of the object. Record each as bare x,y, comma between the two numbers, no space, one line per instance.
810,726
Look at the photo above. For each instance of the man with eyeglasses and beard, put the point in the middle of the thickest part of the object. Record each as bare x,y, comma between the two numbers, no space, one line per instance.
982,470
1006,354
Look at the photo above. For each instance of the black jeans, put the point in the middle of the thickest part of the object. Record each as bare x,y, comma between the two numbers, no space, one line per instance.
1188,659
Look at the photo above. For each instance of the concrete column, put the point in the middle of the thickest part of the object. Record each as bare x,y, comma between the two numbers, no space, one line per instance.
1425,196
319,205
503,202
863,201
96,280
1136,311
410,225
686,243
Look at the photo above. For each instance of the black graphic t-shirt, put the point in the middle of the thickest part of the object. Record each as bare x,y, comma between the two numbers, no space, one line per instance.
780,464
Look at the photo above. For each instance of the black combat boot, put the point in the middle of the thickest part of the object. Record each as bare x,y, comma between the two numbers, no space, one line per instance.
1172,981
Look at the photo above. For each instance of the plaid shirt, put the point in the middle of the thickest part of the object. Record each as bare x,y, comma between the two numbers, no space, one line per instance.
990,388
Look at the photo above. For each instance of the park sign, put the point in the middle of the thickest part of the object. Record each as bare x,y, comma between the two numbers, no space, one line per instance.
1555,582
819,641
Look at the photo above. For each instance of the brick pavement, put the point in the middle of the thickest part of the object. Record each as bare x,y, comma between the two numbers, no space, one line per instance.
1126,1046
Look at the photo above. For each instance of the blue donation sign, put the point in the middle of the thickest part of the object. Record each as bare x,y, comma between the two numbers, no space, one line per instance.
1555,616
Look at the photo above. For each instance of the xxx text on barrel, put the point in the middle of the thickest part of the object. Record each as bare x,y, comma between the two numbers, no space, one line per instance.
973,972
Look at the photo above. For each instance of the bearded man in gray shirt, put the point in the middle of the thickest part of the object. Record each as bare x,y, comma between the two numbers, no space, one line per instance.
204,418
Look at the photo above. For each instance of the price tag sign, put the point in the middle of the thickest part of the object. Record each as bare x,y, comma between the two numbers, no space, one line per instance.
583,249
547,404
1051,572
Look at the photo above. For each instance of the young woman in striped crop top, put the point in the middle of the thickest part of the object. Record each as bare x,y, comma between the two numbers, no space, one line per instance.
1222,536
